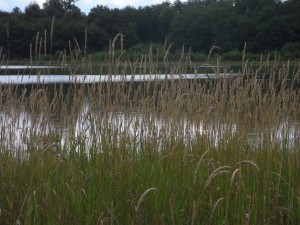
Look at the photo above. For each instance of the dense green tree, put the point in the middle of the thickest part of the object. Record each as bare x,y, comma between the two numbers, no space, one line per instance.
68,5
128,25
54,8
58,8
16,10
75,13
266,25
34,10
178,5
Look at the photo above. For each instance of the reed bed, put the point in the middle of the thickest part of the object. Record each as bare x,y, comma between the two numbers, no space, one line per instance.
212,151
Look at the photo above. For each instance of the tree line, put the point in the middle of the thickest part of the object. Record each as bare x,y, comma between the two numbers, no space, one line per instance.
265,25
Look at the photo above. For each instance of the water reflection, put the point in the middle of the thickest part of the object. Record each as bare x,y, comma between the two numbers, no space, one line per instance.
69,79
22,130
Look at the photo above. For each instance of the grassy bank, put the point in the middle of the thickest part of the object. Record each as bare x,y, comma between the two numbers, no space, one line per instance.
234,159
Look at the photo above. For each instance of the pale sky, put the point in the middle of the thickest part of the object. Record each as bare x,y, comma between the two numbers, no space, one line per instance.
84,5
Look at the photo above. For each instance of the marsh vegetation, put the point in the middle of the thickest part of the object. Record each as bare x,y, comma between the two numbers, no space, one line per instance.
210,151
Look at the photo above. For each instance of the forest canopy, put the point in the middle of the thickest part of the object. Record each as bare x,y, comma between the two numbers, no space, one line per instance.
265,25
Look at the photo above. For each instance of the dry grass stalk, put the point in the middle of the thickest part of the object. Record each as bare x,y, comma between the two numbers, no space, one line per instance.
211,50
140,201
36,43
167,51
281,178
172,211
45,44
194,214
220,170
198,165
249,163
142,198
215,206
113,44
51,35
234,174
244,59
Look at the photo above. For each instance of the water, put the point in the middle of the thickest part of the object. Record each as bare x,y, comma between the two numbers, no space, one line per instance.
26,67
87,79
22,129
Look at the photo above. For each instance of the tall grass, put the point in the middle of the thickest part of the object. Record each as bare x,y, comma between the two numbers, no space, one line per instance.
222,151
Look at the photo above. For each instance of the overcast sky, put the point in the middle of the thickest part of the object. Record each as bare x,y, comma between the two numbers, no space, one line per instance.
84,5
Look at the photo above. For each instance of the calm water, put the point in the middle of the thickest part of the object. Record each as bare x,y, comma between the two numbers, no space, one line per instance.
21,129
69,79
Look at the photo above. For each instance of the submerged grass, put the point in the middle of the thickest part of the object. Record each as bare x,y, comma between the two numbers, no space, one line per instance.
223,151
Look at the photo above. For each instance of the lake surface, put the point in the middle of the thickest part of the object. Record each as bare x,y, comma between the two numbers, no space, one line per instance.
22,129
27,67
87,79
